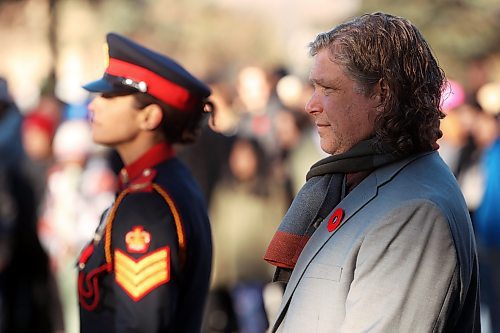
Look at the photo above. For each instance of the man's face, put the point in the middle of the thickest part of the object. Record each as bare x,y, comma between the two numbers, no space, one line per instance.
114,120
342,113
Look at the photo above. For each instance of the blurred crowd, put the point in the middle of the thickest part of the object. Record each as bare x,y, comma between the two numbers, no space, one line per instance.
250,161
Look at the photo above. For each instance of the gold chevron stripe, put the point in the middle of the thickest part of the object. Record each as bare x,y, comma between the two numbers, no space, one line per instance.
139,277
136,266
137,292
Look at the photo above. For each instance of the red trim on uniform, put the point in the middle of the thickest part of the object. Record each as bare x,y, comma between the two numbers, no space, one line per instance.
88,287
143,183
157,86
335,219
86,253
157,154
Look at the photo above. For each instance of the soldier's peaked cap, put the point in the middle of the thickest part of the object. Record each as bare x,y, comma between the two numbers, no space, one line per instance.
135,68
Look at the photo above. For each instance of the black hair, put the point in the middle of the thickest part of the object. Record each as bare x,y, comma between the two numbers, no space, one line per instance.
178,126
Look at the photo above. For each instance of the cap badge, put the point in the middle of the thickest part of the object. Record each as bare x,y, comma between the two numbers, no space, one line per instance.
335,219
141,85
137,240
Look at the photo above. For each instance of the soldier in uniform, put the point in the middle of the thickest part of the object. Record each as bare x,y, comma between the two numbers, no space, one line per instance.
148,267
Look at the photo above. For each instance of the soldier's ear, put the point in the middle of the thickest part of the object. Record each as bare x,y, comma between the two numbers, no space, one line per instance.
151,117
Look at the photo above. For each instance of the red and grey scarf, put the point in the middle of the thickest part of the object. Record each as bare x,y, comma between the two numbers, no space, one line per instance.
327,182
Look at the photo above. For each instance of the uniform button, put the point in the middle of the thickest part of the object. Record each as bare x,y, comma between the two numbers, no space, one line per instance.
146,172
124,176
81,265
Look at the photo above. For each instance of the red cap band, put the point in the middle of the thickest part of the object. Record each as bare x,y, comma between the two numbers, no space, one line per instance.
157,86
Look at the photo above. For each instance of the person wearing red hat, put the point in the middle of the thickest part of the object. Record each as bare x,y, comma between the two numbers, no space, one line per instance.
148,267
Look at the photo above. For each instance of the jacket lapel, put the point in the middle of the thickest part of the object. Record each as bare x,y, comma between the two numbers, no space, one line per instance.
352,203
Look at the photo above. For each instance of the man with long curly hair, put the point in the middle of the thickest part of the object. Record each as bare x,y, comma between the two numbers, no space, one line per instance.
379,238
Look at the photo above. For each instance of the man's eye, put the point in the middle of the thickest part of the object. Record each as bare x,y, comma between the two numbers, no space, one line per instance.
326,90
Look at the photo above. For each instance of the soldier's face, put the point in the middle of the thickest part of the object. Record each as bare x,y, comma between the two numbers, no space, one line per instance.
343,114
115,120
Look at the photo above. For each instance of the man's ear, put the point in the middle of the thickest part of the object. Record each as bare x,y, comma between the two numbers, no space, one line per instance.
381,92
151,117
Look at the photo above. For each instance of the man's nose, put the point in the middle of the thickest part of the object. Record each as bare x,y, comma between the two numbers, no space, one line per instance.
313,106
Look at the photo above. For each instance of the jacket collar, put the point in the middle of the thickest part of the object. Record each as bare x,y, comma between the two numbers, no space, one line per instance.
157,154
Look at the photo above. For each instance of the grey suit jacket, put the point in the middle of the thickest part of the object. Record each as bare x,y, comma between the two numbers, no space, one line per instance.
402,260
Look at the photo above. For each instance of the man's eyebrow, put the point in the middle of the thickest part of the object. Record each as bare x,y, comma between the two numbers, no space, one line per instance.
324,83
319,82
313,81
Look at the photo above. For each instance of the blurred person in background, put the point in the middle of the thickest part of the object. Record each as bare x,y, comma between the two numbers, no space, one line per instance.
253,104
467,134
487,214
273,77
11,149
29,300
467,168
297,141
148,267
38,130
455,134
297,149
379,238
51,107
463,142
80,185
206,158
246,205
288,135
468,146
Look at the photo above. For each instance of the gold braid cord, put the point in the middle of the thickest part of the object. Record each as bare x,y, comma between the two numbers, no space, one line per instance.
109,225
177,219
173,209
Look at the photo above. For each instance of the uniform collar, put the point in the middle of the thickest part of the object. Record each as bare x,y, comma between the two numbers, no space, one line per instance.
157,154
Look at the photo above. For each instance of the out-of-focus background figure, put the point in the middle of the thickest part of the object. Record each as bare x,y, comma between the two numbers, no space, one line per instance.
487,213
254,55
29,299
80,185
245,208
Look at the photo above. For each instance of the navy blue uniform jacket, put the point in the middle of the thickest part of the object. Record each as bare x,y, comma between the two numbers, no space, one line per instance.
148,267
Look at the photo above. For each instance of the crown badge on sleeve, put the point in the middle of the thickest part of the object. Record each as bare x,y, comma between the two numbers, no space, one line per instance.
137,240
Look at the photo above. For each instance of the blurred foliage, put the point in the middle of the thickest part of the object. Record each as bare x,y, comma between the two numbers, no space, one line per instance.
213,39
206,37
201,35
459,31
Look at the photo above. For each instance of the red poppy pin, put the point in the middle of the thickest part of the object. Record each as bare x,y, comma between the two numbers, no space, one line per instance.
335,219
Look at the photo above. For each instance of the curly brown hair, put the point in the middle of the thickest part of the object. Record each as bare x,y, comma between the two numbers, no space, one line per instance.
177,126
382,48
